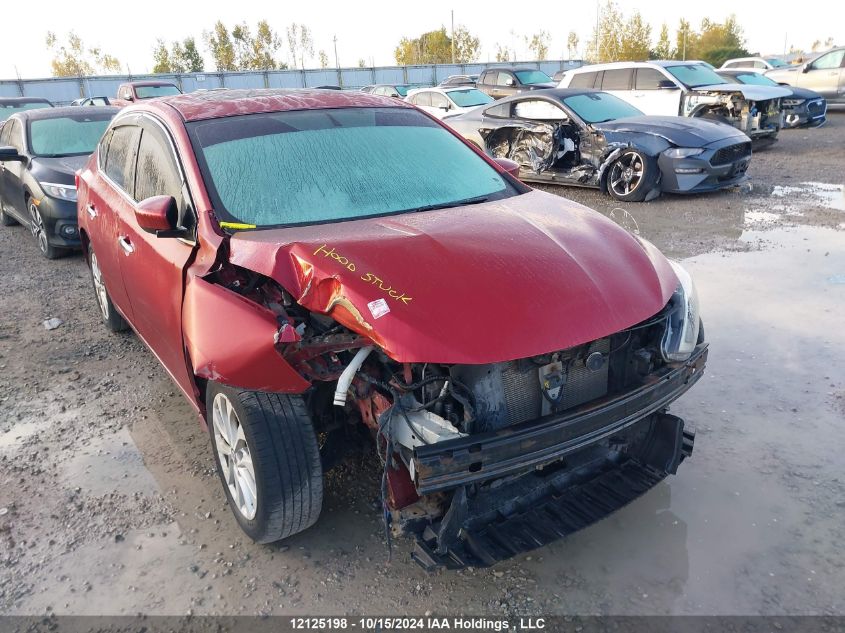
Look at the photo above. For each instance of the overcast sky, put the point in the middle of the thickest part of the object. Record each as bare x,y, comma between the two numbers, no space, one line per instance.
371,31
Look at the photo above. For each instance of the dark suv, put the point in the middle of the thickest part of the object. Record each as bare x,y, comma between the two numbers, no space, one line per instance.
504,82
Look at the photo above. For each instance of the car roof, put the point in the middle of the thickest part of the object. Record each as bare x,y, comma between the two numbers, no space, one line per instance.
663,63
58,113
443,89
513,69
194,106
14,100
150,83
554,93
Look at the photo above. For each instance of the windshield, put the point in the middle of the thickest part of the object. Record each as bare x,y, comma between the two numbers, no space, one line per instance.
776,63
695,75
532,77
754,79
598,107
469,97
149,92
402,90
70,135
7,110
311,166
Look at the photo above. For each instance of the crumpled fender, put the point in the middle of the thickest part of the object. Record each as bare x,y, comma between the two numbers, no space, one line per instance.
230,340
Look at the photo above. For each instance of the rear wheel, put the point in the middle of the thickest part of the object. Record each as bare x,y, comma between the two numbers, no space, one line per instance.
268,460
5,218
632,176
111,317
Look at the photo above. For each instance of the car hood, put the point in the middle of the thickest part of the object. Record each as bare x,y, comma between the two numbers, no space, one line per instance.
754,93
803,93
483,283
58,170
680,131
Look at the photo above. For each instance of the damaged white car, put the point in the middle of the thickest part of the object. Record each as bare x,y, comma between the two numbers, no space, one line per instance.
691,89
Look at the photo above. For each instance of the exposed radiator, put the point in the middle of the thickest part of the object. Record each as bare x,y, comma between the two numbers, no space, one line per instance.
509,393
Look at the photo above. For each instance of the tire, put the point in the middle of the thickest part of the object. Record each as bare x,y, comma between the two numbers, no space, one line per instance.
39,232
5,218
632,176
281,446
111,317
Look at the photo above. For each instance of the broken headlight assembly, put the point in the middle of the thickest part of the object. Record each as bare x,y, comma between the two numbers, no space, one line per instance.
682,323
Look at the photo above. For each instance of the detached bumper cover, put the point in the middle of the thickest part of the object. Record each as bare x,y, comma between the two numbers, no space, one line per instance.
811,113
521,447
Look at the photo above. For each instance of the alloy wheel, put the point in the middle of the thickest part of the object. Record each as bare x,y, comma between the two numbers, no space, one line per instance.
99,286
36,225
234,456
626,173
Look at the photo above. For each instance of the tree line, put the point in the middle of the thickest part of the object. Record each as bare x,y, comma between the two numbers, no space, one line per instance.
240,47
616,37
629,38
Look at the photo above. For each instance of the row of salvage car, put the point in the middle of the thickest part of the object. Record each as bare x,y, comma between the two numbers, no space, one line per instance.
632,129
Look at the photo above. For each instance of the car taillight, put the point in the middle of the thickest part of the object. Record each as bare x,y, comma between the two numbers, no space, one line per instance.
76,180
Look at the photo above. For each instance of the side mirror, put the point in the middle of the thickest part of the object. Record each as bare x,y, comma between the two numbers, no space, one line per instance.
128,97
806,68
510,82
509,166
157,215
11,154
446,107
665,84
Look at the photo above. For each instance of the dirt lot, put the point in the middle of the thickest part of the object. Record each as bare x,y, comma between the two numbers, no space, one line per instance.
109,502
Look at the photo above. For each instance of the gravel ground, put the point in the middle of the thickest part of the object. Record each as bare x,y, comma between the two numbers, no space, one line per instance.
109,503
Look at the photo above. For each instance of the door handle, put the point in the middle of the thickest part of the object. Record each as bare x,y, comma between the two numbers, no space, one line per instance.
126,245
92,212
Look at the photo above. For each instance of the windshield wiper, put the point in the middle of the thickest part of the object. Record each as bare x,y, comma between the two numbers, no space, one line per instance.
448,205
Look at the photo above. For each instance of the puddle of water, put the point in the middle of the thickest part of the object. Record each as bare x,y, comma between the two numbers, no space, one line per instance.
109,463
824,194
760,217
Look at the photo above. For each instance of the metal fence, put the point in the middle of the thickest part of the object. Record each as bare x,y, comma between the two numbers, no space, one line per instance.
64,90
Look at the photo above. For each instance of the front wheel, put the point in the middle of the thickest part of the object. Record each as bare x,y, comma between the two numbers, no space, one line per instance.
38,228
111,317
632,176
268,460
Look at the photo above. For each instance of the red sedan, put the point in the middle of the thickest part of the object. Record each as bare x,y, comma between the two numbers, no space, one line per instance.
308,265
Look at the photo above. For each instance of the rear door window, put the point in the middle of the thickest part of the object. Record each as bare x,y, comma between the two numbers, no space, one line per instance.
617,79
423,99
120,162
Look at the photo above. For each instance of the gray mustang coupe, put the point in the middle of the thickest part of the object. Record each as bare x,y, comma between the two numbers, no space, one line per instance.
591,138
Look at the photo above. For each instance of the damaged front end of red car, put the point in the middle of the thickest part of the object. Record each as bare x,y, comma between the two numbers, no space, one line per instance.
516,392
